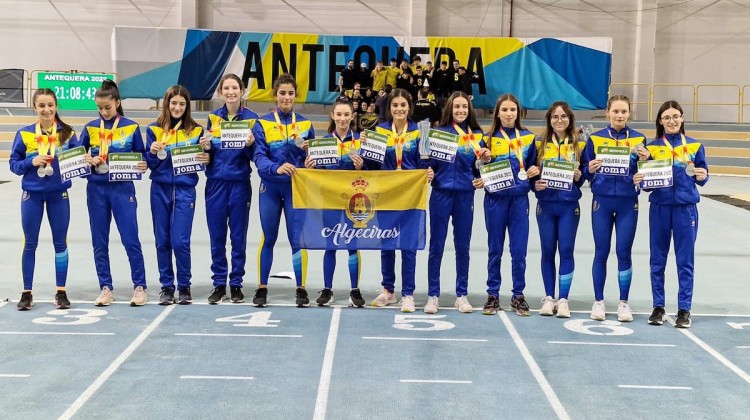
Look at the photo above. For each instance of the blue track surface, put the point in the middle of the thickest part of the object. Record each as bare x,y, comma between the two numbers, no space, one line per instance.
238,361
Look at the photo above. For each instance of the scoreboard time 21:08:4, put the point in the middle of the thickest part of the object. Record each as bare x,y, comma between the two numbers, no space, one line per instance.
74,91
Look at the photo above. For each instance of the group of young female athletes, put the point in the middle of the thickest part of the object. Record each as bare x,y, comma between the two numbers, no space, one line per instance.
277,144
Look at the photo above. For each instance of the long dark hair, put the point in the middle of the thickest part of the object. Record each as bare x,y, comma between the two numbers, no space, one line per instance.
570,132
342,100
447,117
109,89
398,93
659,125
496,123
66,131
165,118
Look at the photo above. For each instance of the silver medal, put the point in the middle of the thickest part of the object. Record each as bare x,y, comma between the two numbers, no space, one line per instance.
103,168
690,169
478,163
49,170
522,175
41,172
162,154
298,141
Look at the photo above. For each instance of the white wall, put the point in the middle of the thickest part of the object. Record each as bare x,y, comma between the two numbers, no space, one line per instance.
668,41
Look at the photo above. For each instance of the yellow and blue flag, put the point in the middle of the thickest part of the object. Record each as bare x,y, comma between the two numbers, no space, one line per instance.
359,209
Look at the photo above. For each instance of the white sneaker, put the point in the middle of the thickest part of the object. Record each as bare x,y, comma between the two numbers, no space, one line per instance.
624,313
562,308
432,305
597,311
385,298
139,297
105,297
463,305
548,306
407,304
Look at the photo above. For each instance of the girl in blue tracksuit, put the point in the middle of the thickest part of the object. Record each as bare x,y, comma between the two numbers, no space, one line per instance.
673,213
615,203
402,153
113,133
340,127
508,209
453,197
279,150
557,211
32,156
228,191
173,196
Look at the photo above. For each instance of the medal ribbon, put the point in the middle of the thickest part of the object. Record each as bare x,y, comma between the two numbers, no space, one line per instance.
398,143
105,137
468,138
567,148
166,138
294,134
617,142
48,146
685,157
514,145
341,141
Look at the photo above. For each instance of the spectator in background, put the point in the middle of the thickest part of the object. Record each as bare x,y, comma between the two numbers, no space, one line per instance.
420,80
364,77
428,69
380,107
393,74
441,81
425,109
378,75
369,95
467,80
368,120
348,77
355,92
457,82
404,80
416,61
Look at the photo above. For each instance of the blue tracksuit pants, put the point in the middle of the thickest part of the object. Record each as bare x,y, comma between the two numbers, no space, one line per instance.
58,214
172,210
228,209
408,270
681,223
105,200
558,225
329,266
275,197
509,213
622,214
458,205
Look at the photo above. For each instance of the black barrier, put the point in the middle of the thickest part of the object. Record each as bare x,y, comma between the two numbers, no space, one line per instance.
11,85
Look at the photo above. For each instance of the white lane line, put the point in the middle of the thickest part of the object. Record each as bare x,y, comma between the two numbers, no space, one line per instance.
594,343
321,403
433,381
710,350
743,347
425,339
688,388
535,370
91,390
238,335
3,303
50,333
227,378
13,375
